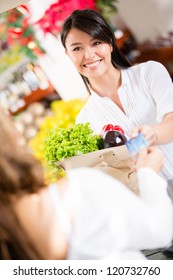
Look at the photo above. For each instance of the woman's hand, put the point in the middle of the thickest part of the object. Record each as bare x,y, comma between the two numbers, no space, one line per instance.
150,157
161,133
150,134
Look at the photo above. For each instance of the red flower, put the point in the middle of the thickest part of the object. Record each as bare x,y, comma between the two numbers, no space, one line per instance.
54,17
15,32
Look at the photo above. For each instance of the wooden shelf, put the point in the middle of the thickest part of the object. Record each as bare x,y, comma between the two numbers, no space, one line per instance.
162,54
35,96
126,36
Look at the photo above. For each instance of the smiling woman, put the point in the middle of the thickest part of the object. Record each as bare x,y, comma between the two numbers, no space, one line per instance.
138,98
90,56
95,46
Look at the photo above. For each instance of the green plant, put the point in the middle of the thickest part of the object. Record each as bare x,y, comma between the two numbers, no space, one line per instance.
17,30
106,7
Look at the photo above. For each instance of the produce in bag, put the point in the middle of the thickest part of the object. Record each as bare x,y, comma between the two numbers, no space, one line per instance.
113,136
78,146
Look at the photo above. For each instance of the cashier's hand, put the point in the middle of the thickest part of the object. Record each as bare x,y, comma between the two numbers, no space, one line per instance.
151,157
150,134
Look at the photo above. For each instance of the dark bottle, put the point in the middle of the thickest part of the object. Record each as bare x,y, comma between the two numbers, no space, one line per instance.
114,138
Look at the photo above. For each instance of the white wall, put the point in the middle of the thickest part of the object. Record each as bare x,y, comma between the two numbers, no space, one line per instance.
56,64
147,19
60,70
38,7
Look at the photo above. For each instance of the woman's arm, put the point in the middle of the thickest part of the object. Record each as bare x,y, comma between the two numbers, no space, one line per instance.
160,86
161,133
154,215
110,211
145,222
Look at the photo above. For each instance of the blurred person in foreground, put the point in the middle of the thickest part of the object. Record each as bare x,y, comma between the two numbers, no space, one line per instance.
87,215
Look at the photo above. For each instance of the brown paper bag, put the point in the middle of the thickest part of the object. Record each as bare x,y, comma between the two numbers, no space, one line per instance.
115,161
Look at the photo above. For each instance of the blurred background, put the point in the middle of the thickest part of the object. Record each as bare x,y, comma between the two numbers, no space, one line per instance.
38,83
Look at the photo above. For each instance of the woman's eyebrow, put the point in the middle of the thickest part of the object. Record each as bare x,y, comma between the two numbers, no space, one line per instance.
80,43
74,44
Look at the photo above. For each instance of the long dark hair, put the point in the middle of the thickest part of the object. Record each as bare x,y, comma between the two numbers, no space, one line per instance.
14,242
94,24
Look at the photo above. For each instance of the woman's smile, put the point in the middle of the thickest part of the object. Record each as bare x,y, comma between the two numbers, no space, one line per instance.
92,65
90,56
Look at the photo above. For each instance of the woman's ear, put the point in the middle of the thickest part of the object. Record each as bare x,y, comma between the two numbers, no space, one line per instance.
111,48
66,51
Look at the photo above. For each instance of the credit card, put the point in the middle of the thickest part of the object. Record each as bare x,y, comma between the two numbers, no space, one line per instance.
135,144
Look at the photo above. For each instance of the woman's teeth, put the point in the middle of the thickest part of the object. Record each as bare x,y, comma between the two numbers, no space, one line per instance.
91,65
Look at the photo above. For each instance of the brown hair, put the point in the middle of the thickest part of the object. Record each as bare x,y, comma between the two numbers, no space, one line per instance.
94,24
14,243
20,173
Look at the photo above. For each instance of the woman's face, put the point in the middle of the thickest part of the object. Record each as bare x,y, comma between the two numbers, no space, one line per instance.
91,57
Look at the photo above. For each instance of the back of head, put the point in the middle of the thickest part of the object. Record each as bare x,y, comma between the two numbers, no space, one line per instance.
94,24
14,243
20,174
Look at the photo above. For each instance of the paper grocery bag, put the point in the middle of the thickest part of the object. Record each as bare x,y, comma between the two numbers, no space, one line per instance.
115,161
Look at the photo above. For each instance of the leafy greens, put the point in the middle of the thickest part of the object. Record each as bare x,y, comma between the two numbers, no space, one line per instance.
72,141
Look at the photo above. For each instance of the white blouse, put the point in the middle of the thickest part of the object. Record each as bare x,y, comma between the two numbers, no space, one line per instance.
146,95
111,221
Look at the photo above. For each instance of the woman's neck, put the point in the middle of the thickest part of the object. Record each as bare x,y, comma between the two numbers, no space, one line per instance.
108,84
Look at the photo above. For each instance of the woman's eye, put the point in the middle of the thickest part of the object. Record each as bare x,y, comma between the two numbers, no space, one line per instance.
97,43
76,49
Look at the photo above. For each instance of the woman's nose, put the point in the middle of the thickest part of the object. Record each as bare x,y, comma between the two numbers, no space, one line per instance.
89,53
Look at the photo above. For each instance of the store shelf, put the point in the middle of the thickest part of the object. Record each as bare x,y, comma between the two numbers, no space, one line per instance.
35,96
163,55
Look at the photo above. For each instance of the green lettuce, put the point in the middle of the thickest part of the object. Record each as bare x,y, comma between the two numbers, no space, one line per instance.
63,143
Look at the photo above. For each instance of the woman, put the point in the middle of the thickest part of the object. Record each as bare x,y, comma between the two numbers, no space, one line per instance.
138,98
87,215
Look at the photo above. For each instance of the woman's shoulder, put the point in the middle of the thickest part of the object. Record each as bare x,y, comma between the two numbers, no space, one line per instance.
146,70
149,65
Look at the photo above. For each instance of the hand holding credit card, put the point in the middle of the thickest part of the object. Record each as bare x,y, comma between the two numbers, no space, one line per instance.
135,144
